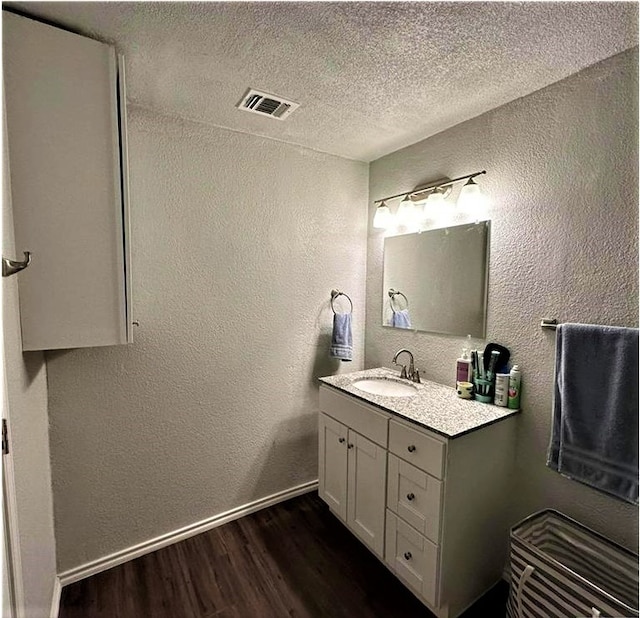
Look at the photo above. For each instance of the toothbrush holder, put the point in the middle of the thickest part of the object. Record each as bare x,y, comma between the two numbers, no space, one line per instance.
483,390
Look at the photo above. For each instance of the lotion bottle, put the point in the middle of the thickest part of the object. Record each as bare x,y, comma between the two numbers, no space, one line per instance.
463,367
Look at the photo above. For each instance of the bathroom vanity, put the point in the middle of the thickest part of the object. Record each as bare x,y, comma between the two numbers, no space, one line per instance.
422,479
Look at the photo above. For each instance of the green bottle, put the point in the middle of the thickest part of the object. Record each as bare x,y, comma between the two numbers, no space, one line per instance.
515,386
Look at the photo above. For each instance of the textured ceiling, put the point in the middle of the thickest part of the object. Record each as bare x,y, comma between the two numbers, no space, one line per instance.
370,77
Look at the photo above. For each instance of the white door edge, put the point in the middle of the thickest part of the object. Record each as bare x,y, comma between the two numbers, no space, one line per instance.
11,540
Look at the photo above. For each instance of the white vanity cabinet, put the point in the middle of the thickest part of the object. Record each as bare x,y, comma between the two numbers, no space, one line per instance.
352,464
442,502
65,126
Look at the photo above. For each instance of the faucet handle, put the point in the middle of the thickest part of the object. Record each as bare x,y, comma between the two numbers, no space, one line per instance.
416,376
403,371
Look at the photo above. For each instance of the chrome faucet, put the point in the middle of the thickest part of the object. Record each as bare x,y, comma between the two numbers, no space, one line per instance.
412,374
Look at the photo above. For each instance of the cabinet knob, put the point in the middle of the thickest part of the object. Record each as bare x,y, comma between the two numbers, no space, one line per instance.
411,448
349,445
341,440
407,555
410,497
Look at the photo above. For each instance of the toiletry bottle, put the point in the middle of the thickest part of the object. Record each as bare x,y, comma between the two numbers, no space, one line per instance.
515,383
463,367
501,392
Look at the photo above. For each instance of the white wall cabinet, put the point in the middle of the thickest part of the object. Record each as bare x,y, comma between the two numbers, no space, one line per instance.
446,521
66,131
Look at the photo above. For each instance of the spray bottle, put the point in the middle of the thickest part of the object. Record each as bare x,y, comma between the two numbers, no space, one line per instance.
515,385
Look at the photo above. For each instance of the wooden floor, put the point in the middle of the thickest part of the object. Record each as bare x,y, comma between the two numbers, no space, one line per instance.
293,559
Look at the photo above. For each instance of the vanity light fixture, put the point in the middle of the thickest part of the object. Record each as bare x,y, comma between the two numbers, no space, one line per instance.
409,210
383,218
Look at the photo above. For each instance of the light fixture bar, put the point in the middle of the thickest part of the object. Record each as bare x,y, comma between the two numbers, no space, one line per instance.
428,187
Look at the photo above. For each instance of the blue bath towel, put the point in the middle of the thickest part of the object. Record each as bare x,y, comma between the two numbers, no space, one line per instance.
594,436
400,319
341,339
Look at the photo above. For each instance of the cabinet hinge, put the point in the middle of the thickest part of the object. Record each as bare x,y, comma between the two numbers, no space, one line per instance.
5,437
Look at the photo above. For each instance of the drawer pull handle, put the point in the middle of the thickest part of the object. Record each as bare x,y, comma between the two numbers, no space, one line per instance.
342,440
407,555
410,496
411,448
349,445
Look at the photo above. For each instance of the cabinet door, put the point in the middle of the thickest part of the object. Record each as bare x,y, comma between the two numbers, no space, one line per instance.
366,496
63,119
332,465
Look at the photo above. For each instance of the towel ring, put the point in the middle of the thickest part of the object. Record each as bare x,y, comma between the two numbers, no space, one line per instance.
392,294
335,294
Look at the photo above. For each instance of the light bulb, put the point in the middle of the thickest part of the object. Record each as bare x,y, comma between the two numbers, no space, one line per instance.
471,198
406,214
436,199
422,213
382,219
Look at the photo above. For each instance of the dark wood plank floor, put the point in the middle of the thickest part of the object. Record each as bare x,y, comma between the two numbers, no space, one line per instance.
293,559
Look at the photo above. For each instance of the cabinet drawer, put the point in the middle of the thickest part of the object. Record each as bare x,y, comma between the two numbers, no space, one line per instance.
417,448
415,496
360,417
412,557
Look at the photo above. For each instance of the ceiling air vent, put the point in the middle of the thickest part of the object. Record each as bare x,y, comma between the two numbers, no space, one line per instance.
267,104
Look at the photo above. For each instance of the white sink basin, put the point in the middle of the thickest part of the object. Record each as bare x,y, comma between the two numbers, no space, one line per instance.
386,386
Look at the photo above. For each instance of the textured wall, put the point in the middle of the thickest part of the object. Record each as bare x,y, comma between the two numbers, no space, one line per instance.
237,242
562,177
26,383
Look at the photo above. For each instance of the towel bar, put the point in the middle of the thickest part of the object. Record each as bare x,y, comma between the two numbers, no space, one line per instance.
547,323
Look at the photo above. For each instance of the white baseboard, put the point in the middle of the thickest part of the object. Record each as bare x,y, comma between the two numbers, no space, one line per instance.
55,600
146,547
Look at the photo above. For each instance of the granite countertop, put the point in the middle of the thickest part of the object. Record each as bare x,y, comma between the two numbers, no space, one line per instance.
435,406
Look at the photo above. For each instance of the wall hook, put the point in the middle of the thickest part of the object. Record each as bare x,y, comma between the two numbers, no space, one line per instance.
11,267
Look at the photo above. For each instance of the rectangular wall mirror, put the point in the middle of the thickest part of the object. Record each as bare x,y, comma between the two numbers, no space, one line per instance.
436,281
